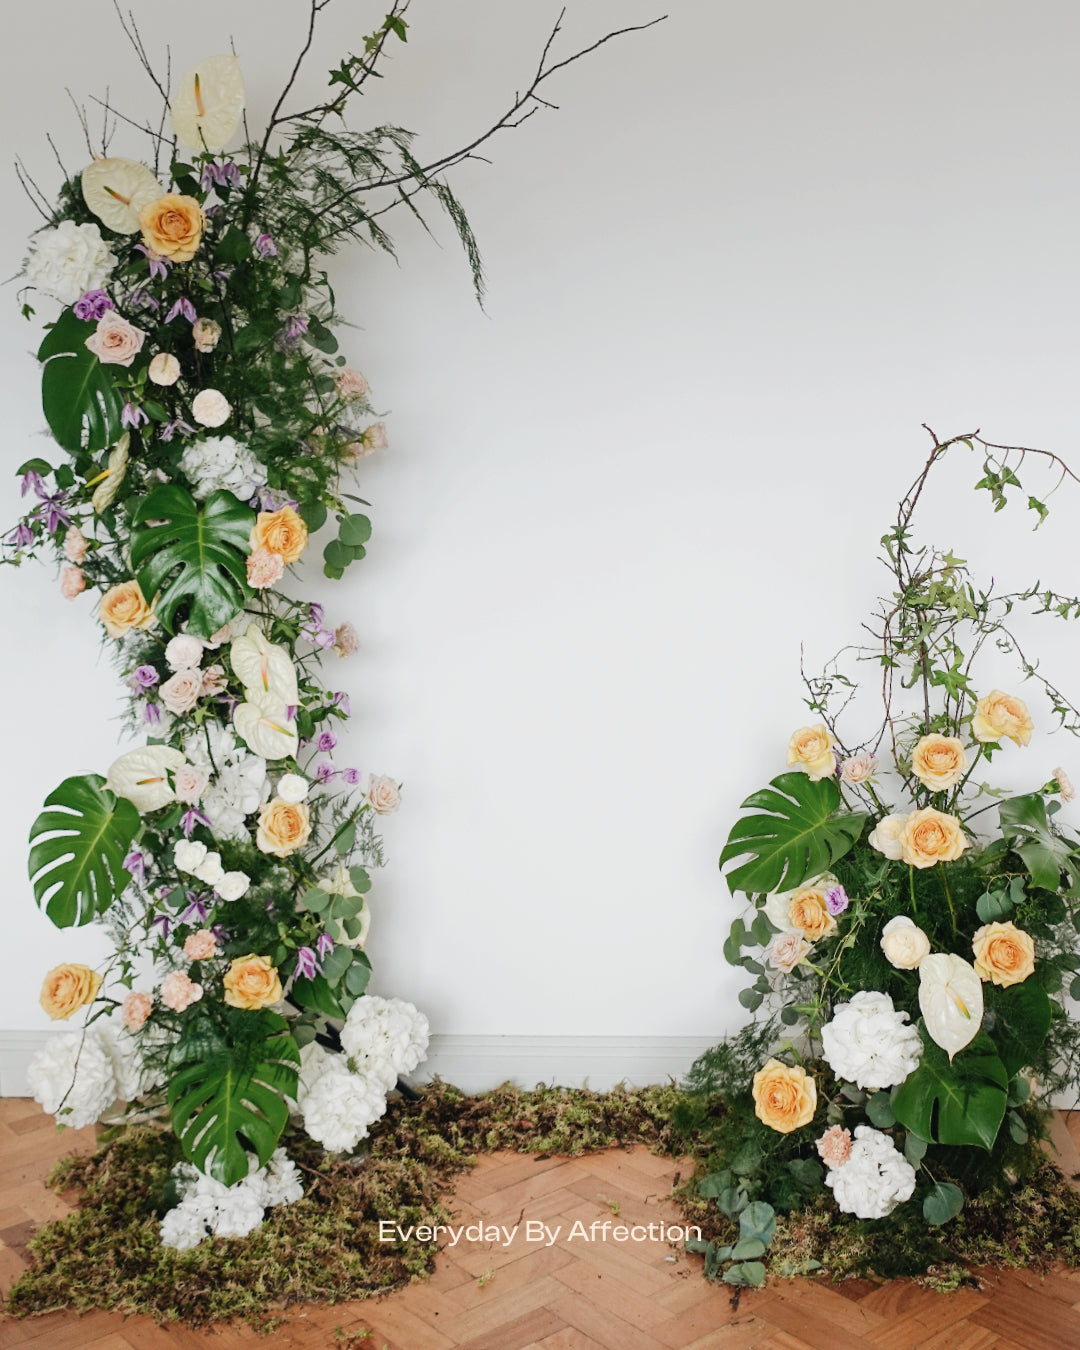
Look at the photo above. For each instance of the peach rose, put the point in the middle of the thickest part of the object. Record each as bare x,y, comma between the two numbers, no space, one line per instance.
999,715
939,762
784,1099
1004,953
172,226
75,544
807,912
281,532
810,749
264,568
210,408
124,607
115,342
135,1009
179,991
206,334
182,691
72,582
200,946
930,837
283,827
252,982
68,988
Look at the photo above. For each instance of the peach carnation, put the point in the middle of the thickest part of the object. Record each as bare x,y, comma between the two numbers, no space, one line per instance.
135,1009
178,991
264,568
75,544
200,946
72,582
834,1146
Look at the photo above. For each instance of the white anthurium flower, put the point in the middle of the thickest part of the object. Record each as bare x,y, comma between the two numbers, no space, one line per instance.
263,667
951,1000
208,104
117,189
261,723
142,776
108,482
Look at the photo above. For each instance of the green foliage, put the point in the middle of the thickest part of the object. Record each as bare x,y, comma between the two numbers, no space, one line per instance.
796,836
78,392
943,1202
79,843
1046,854
1017,1019
962,1102
192,556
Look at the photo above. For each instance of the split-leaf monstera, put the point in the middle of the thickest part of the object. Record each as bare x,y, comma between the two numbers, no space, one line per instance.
81,402
192,556
958,1102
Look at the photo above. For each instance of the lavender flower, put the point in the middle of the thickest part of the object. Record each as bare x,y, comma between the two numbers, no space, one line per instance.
196,911
21,535
133,417
152,714
33,480
192,818
92,305
325,772
220,173
836,900
52,512
307,964
182,306
341,700
165,922
350,776
295,327
145,676
264,247
326,743
140,298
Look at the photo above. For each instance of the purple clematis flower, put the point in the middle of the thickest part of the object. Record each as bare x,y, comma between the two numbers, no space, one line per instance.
169,430
140,298
220,173
165,923
296,325
52,512
341,700
192,818
21,535
92,305
159,266
836,900
307,964
132,416
152,714
136,864
184,307
264,247
324,946
33,480
196,911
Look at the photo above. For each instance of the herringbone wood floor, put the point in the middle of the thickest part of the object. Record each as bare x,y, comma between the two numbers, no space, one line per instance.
570,1295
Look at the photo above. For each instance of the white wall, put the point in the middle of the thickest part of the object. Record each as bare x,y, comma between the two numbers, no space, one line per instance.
754,251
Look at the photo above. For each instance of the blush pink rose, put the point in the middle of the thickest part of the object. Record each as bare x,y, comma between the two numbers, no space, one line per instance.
182,691
351,384
115,342
383,794
135,1009
75,544
264,568
189,783
200,946
214,680
179,992
72,582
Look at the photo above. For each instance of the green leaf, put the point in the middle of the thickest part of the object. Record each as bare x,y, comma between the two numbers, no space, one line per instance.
942,1203
758,1221
746,1249
749,1274
1019,1091
915,1149
192,556
314,900
313,514
798,837
354,531
40,466
79,396
993,906
360,879
879,1109
750,999
234,246
958,1103
233,1098
79,843
1018,1131
336,964
318,995
357,977
1025,824
1021,1017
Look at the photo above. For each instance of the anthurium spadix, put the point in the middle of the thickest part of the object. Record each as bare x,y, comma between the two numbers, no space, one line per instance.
142,776
262,723
951,1000
263,667
117,189
208,103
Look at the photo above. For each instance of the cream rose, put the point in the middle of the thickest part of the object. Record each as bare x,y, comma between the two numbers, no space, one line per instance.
999,715
115,342
210,408
885,836
172,226
858,768
930,837
282,532
939,762
785,1098
810,749
283,827
904,943
252,982
124,607
1004,953
383,794
68,988
182,691
786,950
189,783
164,369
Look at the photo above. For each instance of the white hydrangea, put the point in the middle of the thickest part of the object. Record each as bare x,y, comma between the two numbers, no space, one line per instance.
867,1042
875,1179
238,784
385,1037
222,462
68,261
340,1107
73,1076
209,1208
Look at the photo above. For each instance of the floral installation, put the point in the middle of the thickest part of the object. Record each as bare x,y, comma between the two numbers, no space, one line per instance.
206,428
911,951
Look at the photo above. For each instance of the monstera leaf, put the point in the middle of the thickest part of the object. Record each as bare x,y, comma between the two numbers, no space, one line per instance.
799,836
1025,825
78,394
230,1092
191,555
79,843
957,1102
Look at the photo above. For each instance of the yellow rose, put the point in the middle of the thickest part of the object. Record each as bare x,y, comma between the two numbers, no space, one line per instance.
999,715
68,988
283,827
784,1099
930,837
281,532
1004,953
810,749
124,607
172,226
939,762
252,982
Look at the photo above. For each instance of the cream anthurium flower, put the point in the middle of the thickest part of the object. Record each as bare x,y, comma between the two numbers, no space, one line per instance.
142,776
117,189
108,482
261,723
951,1000
263,667
208,103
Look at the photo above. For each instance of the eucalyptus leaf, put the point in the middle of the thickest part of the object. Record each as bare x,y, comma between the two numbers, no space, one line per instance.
944,1202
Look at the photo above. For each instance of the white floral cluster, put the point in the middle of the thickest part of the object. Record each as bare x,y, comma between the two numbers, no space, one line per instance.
341,1096
69,261
239,784
867,1042
875,1179
78,1075
222,462
209,1208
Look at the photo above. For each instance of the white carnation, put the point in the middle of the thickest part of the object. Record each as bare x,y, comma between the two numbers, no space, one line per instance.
875,1179
69,261
222,462
73,1077
385,1037
184,652
867,1042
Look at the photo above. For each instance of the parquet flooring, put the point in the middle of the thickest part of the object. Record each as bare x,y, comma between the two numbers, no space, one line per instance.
566,1294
